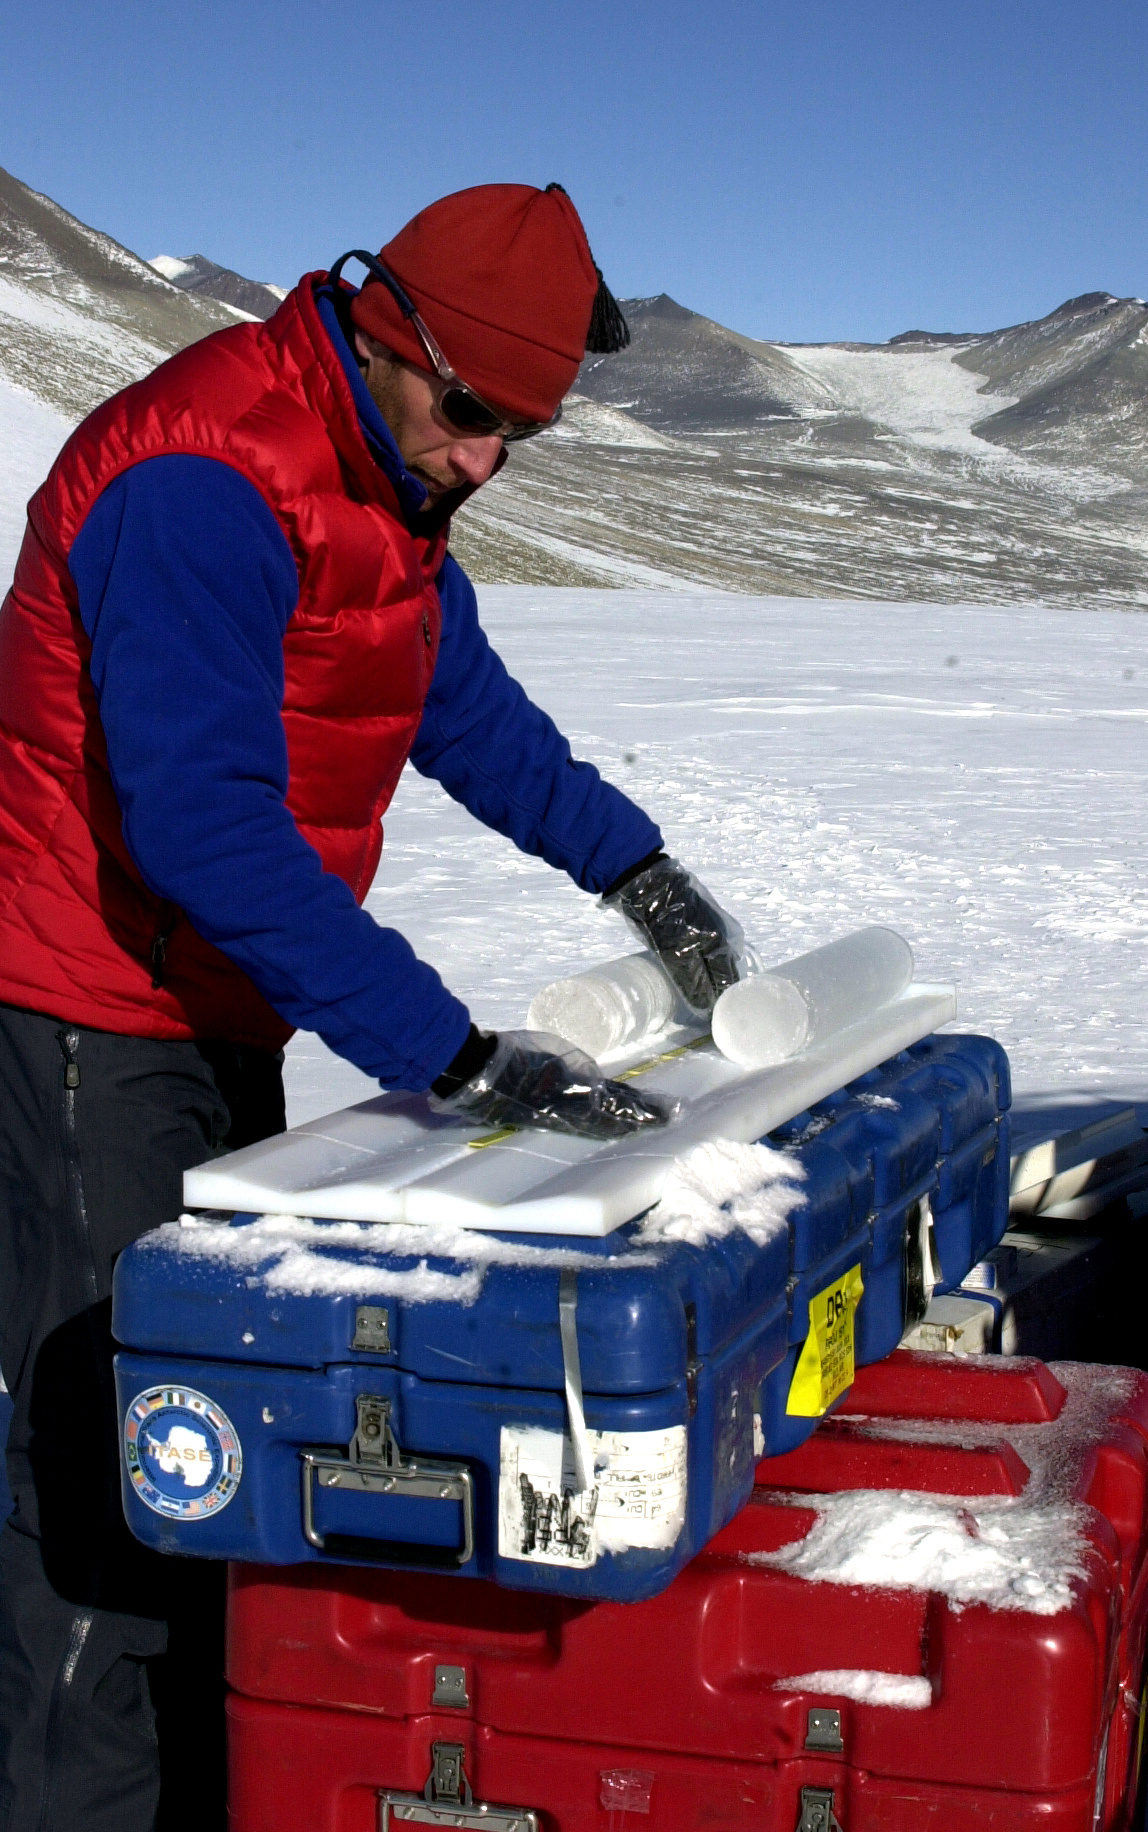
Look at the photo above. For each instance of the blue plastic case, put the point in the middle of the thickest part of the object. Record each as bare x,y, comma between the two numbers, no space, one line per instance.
469,1405
582,1421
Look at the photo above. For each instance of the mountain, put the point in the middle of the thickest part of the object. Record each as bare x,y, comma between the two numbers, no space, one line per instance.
988,467
1003,466
194,273
80,316
683,374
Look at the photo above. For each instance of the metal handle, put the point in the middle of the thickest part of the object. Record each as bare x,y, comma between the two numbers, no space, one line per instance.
374,1465
412,1810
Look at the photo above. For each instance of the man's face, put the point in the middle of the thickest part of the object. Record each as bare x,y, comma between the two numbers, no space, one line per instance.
437,453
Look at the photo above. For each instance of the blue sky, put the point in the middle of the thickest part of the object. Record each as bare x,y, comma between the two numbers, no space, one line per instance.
807,169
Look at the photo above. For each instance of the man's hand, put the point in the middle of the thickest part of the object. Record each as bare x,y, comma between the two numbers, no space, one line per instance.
697,943
532,1079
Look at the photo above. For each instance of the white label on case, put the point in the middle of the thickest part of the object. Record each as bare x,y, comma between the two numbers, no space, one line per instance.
638,1498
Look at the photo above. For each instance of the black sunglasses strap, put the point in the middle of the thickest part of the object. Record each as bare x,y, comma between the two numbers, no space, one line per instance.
379,272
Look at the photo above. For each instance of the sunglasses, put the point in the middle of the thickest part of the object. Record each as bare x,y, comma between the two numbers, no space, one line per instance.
466,411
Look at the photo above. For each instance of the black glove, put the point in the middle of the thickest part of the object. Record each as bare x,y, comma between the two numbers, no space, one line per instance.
697,943
531,1079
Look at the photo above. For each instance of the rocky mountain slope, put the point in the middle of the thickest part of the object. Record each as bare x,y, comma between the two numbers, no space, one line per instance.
79,315
1007,466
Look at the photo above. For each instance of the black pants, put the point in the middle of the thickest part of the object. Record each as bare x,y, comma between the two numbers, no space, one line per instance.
111,1657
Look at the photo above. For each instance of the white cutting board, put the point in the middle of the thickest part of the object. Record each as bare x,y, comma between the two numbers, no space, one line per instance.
393,1159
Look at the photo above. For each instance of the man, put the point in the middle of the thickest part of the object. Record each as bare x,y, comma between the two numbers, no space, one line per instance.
234,618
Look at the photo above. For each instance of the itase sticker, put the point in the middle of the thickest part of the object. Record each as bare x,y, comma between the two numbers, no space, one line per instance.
182,1453
638,1497
825,1368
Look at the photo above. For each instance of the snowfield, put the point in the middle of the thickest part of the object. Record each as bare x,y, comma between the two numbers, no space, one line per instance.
32,434
973,778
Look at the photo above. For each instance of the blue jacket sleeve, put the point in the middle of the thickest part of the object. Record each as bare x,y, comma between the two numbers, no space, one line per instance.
186,584
504,759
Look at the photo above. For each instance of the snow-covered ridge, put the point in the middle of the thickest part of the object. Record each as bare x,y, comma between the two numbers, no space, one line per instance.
171,267
195,274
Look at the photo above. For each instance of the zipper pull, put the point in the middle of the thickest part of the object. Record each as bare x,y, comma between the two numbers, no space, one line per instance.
169,916
426,630
158,961
68,1041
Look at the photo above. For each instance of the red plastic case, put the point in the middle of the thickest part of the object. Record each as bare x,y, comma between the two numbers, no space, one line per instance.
571,1716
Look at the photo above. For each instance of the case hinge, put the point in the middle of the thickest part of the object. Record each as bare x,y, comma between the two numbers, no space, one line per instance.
823,1730
450,1688
372,1330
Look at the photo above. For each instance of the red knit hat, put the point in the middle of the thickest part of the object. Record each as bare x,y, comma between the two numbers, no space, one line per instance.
504,277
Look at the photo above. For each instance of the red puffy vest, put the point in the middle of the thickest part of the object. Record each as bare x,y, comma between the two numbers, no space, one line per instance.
77,924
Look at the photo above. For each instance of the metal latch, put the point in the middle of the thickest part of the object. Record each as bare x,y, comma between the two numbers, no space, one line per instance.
693,1365
824,1731
375,1465
817,1813
446,1800
372,1330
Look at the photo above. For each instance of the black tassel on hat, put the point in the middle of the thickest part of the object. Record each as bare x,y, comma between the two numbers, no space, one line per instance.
608,331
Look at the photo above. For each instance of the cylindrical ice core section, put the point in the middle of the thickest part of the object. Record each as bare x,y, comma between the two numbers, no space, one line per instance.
608,1007
767,1019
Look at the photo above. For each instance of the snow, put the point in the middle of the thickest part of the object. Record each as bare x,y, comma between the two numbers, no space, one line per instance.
970,777
171,267
289,1254
922,396
907,1691
722,1186
929,403
602,425
72,325
1022,1552
1023,1558
30,436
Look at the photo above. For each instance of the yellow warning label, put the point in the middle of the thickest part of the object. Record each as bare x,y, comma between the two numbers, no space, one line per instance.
825,1367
